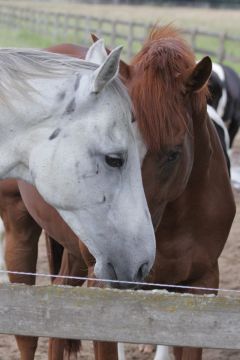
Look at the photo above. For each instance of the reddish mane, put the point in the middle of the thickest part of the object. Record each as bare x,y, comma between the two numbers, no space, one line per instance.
157,91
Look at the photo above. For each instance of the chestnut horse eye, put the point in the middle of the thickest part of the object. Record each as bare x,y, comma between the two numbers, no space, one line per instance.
172,156
114,160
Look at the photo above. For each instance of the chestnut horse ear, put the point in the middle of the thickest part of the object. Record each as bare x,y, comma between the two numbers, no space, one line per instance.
198,76
124,68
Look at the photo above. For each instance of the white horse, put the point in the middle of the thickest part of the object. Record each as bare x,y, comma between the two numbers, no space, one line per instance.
66,129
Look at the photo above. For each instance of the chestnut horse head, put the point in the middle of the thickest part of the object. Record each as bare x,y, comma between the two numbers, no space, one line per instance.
169,93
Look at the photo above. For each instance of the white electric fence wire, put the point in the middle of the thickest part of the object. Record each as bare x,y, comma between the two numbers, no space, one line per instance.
133,283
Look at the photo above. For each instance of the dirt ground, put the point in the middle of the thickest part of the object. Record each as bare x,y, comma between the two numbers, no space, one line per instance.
230,278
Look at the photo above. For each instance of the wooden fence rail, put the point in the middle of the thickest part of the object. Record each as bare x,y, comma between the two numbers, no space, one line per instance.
128,316
76,28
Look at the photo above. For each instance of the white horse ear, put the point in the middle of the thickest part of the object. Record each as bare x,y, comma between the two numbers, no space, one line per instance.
107,71
97,53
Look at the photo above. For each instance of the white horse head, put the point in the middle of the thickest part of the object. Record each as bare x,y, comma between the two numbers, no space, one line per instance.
66,128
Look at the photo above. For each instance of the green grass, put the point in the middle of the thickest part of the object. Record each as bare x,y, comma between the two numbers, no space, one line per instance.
25,38
21,38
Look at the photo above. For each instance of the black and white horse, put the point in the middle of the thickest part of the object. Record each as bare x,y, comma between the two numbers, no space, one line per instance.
224,86
222,133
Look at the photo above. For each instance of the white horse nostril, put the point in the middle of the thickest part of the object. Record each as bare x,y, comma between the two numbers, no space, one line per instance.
122,272
142,272
111,271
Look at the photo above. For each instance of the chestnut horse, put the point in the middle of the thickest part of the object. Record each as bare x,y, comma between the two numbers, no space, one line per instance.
184,173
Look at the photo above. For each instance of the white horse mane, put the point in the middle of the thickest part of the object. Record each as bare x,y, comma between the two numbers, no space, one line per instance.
17,66
34,62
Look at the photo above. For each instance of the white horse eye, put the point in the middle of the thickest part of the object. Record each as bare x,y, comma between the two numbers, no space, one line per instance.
114,160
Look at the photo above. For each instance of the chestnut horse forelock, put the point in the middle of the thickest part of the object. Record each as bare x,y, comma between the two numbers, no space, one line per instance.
156,94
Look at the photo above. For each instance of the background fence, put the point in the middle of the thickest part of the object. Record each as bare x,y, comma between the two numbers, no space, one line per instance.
61,27
199,3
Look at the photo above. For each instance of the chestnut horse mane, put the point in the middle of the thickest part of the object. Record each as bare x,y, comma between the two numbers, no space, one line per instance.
158,92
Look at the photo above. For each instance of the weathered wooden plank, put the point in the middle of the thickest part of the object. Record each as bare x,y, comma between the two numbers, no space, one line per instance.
127,316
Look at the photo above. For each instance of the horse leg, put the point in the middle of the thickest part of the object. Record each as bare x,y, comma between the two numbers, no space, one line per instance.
104,350
54,255
70,266
56,349
209,280
22,234
187,353
121,351
3,277
162,353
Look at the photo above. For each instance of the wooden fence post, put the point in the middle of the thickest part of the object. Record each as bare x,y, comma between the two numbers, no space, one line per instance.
76,25
100,27
113,35
221,50
87,29
130,40
32,22
193,38
65,26
54,27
